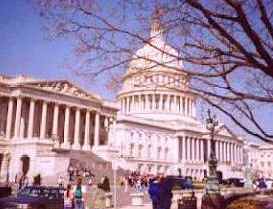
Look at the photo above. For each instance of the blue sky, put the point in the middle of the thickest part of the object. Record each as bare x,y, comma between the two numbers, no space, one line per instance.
25,49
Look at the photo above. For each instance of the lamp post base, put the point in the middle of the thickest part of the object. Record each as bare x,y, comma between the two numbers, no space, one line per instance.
213,201
212,186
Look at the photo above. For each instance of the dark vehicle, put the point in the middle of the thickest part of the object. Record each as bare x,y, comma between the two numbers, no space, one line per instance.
35,198
5,191
181,182
262,184
237,182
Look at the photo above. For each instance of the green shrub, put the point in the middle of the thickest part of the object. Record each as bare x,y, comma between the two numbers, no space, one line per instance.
198,186
245,204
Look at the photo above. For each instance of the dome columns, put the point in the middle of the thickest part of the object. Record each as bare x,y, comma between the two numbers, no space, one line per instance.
158,102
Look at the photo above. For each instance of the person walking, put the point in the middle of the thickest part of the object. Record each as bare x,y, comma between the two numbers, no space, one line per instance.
165,194
154,192
105,184
68,197
79,192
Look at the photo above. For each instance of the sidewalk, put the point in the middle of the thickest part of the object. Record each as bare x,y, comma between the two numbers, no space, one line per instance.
145,206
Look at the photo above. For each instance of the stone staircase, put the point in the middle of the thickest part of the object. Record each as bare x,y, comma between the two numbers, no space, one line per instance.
84,159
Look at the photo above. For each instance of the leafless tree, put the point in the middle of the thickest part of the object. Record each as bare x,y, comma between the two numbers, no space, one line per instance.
226,46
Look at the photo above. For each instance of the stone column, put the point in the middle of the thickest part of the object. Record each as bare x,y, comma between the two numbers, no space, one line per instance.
225,151
18,117
86,144
146,96
189,106
43,121
160,102
188,148
216,150
221,151
175,103
235,153
31,118
9,118
55,120
183,105
139,108
66,143
198,149
153,102
180,105
231,152
193,149
186,106
184,157
76,145
193,109
133,104
228,150
209,150
97,129
202,150
167,104
127,104
124,105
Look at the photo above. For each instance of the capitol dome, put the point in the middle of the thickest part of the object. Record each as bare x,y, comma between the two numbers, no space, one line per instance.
156,55
154,85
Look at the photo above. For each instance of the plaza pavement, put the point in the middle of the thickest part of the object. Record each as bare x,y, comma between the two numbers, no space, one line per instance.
145,206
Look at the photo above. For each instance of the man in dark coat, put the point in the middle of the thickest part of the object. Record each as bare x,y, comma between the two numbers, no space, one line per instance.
165,194
154,192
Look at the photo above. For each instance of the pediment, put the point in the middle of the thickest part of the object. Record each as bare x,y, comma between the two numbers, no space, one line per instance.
63,87
224,131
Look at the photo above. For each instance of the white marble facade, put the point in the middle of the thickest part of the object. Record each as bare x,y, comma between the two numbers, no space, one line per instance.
260,158
155,127
157,130
39,117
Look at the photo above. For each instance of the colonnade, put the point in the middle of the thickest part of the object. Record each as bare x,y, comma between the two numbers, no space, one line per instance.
159,102
74,127
194,149
227,151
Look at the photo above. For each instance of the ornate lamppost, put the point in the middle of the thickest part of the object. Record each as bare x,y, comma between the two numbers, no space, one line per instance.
212,183
107,125
212,199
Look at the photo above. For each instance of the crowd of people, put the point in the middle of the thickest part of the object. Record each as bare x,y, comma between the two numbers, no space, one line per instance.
79,185
76,196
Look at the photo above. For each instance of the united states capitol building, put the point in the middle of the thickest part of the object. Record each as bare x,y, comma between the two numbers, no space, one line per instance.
152,127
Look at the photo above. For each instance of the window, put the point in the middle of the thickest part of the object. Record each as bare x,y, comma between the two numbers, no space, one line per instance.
166,140
131,149
262,164
166,154
269,164
158,153
149,151
140,150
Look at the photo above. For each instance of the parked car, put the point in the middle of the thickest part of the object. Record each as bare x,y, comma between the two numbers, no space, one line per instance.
237,182
262,183
181,182
35,197
5,191
269,183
